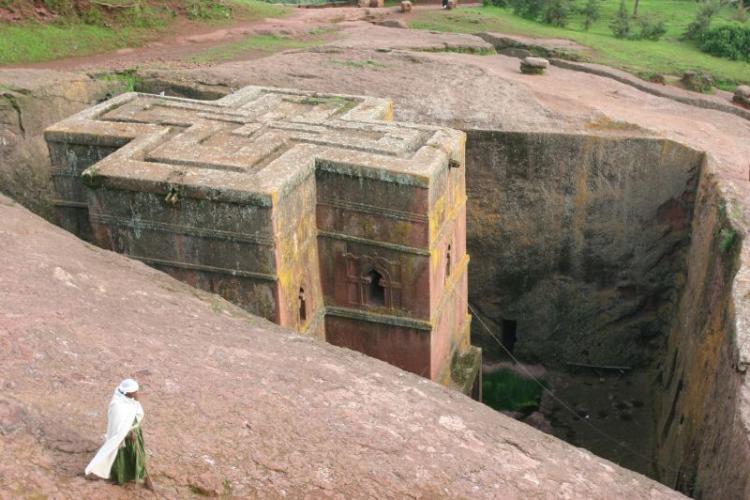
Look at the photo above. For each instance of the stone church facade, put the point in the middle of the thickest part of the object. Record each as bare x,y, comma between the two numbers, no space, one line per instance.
314,211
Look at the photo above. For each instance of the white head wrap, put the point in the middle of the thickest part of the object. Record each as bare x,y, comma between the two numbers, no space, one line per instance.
127,386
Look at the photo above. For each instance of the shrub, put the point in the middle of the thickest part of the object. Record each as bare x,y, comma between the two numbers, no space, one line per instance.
556,12
207,9
61,7
505,390
620,25
495,3
530,9
731,41
590,13
726,239
651,29
94,17
702,21
697,81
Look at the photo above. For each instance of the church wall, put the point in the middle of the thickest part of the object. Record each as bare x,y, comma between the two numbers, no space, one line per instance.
367,224
224,248
378,210
68,162
407,348
297,263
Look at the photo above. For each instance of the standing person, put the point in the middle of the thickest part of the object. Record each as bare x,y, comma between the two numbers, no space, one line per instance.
122,457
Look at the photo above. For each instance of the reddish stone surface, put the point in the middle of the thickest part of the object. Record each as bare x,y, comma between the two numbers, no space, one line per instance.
235,404
407,348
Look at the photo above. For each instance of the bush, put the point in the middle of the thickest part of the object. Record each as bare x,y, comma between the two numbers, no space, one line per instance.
530,9
620,25
730,41
208,9
495,3
94,17
726,239
697,81
702,21
651,30
505,390
61,7
590,13
556,12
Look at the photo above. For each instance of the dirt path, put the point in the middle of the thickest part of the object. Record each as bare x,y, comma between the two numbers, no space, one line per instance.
184,39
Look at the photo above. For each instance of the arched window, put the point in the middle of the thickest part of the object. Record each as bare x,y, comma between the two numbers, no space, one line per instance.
376,290
302,306
448,262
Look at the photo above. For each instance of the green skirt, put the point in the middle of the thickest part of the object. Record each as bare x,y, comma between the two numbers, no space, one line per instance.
130,462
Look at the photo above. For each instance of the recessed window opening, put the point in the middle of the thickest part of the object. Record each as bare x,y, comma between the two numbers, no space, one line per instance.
448,262
376,290
509,334
302,305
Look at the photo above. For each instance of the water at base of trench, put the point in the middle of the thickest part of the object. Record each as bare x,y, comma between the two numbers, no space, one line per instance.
612,412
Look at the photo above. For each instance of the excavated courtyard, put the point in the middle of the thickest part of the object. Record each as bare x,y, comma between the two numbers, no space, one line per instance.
605,226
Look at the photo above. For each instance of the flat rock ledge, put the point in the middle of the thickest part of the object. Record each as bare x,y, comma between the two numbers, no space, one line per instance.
234,404
534,65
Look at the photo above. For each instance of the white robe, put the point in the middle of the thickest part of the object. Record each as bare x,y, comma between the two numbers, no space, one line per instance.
122,412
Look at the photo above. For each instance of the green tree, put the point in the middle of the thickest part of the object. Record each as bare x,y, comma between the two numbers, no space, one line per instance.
651,29
591,13
556,12
620,25
702,21
741,11
530,9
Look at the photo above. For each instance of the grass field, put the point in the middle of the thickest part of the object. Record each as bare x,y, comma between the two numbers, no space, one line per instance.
670,55
34,42
39,42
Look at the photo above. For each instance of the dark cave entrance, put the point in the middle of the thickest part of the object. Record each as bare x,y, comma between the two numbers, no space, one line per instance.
510,335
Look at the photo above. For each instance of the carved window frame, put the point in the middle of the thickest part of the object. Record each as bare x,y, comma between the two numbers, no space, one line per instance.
358,269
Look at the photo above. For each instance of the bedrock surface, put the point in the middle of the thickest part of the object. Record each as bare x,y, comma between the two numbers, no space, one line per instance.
234,402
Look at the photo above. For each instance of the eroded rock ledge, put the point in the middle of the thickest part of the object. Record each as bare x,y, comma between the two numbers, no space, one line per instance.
234,403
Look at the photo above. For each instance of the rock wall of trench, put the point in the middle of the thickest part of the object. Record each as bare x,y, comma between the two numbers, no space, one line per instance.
701,395
623,251
30,101
581,240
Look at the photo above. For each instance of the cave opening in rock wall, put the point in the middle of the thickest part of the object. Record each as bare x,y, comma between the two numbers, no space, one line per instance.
509,334
583,241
